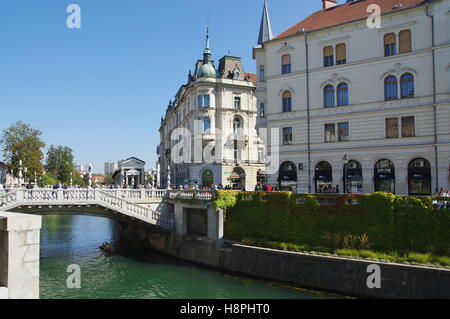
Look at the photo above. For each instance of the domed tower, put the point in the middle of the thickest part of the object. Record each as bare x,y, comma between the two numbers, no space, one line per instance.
207,70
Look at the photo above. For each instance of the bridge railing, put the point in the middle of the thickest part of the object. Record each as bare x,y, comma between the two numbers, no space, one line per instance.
8,198
192,195
149,194
161,219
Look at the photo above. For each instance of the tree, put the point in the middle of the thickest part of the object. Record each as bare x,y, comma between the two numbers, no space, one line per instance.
78,180
21,142
60,163
48,180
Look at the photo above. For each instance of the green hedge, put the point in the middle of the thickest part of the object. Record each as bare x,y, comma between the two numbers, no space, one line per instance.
377,221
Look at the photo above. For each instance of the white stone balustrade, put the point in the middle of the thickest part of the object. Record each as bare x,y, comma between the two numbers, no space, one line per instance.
85,197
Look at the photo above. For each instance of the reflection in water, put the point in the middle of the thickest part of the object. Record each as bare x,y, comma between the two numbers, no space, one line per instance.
67,240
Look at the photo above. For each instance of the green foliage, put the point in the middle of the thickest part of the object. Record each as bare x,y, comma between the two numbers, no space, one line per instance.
77,180
391,256
60,163
21,142
49,180
225,199
379,221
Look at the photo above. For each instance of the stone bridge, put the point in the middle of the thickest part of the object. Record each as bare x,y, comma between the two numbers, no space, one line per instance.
171,211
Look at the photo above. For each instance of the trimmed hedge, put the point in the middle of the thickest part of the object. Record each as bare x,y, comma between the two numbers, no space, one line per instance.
378,221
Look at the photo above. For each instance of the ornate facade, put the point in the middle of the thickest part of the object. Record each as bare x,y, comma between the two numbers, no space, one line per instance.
360,108
218,109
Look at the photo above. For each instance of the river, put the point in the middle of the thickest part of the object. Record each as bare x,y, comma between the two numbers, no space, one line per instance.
74,240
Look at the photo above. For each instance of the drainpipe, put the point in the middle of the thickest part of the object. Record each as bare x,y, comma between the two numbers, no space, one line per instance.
307,111
427,9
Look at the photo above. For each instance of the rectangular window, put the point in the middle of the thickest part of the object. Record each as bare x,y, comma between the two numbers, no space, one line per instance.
341,54
206,101
408,127
392,127
261,73
203,101
343,132
330,133
262,110
287,135
390,44
405,41
237,102
286,64
328,56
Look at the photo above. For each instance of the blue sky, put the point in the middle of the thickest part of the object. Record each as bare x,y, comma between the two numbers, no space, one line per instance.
102,89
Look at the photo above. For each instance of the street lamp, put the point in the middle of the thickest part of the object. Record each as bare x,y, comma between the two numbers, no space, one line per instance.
345,159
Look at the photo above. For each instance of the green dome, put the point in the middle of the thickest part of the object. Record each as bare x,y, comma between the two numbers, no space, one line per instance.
206,71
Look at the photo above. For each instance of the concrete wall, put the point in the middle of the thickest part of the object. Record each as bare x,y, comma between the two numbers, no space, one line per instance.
339,275
19,256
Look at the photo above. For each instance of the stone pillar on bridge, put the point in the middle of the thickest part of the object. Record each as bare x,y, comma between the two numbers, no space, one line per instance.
214,226
19,256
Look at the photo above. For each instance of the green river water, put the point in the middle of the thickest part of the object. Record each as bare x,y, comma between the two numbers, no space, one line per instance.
68,240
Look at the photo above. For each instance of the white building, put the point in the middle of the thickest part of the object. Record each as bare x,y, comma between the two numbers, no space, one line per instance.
218,108
111,167
130,172
333,86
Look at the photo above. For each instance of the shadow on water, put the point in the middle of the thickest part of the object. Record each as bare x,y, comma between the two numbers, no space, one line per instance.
74,240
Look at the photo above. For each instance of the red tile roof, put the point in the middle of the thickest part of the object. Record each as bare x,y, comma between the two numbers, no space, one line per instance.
351,11
252,77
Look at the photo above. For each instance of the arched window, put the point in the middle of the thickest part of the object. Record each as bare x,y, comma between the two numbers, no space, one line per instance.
287,101
407,85
342,94
390,88
353,177
341,54
328,96
390,44
237,125
384,176
206,124
288,176
324,178
419,177
328,56
286,64
405,41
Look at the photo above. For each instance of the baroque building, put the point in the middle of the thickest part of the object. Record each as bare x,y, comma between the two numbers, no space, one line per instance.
217,109
360,106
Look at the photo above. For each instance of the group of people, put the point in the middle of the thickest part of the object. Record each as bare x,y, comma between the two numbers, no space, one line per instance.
329,189
443,193
265,188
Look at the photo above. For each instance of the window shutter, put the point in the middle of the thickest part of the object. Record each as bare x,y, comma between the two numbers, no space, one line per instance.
286,94
341,53
286,59
389,39
328,51
405,41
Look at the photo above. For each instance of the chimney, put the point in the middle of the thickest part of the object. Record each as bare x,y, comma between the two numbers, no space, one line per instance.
329,4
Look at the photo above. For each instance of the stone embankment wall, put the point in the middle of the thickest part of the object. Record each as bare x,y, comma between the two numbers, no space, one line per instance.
338,275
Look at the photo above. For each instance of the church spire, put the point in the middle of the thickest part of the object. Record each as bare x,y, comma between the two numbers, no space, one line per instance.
265,31
207,53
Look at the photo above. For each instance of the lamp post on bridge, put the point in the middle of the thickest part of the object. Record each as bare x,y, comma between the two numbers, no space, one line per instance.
90,175
345,159
20,174
169,178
